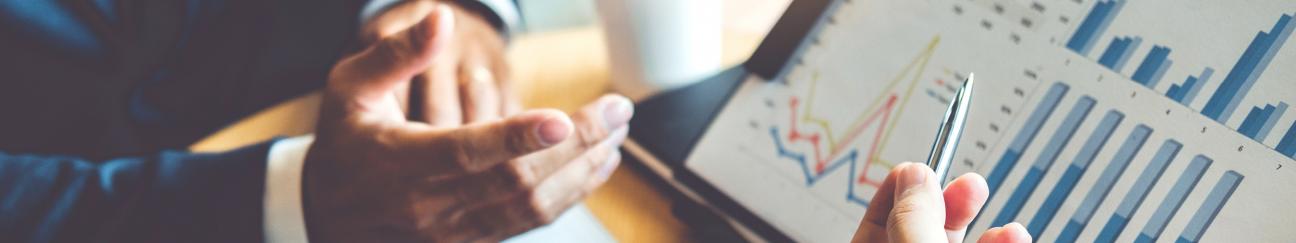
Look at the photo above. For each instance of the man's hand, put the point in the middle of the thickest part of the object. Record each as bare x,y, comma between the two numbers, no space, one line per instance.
468,81
372,175
910,207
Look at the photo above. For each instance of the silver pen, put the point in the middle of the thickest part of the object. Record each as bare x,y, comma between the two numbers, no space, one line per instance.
951,129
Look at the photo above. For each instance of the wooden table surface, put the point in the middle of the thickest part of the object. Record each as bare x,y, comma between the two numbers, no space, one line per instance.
559,69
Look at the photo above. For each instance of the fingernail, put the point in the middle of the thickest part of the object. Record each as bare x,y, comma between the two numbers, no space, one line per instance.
552,131
610,166
617,111
912,176
445,19
1016,226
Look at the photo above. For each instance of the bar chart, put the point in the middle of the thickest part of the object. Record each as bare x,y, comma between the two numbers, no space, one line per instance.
1025,136
1127,178
1186,91
1133,201
1219,195
1138,196
1249,67
1045,160
1093,25
1187,181
1232,89
1133,143
1153,67
1098,121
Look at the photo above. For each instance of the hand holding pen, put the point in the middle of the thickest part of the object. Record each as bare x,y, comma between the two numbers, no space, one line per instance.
910,205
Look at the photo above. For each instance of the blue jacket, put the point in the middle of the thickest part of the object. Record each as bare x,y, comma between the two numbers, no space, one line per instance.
99,98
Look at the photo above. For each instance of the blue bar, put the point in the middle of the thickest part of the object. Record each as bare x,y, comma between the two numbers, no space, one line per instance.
1219,195
1254,119
1114,49
1136,194
1160,72
1093,26
1288,144
1186,95
1118,52
1174,199
1023,139
1260,121
1247,69
1061,137
1111,173
1268,126
1063,188
1157,61
1174,93
1027,134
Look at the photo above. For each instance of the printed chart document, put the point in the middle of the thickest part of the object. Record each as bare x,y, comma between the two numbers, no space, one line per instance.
1093,120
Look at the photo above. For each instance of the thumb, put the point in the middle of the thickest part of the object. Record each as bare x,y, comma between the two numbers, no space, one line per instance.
918,213
393,60
476,147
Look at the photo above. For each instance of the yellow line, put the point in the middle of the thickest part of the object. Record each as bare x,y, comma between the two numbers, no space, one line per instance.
884,162
806,118
920,61
926,56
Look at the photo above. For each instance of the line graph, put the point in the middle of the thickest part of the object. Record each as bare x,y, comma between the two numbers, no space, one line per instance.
879,118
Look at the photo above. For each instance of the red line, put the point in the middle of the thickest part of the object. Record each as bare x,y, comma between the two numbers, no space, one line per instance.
857,130
794,135
820,162
877,139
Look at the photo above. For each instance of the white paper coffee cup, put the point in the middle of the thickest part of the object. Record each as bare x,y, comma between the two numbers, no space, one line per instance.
656,45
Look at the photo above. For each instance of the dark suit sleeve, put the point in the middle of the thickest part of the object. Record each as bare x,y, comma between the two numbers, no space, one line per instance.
164,197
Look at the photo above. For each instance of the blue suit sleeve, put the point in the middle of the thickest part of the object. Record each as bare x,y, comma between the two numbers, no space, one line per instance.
164,197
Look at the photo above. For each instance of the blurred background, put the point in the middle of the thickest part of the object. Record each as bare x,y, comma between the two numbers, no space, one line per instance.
743,16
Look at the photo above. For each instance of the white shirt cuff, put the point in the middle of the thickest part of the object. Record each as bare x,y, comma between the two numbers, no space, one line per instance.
283,218
506,10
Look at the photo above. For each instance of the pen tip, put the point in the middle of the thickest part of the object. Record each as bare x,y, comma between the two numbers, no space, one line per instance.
967,83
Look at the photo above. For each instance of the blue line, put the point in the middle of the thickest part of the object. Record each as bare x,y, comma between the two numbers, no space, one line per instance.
1060,138
837,164
811,178
850,181
799,157
1136,194
1215,201
1182,187
1072,175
